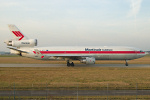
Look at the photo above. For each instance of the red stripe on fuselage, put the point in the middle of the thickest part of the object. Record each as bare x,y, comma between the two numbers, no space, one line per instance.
91,52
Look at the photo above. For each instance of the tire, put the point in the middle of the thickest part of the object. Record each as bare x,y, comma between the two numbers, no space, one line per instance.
68,64
72,64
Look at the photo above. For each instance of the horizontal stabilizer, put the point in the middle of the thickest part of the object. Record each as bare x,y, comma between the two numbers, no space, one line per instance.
17,49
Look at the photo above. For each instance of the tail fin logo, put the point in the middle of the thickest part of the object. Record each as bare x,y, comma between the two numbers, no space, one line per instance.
18,34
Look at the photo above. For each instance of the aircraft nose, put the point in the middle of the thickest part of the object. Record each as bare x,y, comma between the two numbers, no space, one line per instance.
146,53
141,54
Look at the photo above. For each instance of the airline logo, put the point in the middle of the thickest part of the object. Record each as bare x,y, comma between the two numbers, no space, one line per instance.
18,34
38,53
42,56
93,49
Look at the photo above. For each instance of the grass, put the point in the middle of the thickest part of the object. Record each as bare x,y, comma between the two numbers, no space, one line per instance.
83,77
145,97
24,60
9,55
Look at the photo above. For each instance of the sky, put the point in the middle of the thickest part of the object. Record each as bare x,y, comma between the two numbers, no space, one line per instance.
78,22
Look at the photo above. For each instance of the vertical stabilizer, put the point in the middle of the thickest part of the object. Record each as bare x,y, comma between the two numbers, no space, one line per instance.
18,35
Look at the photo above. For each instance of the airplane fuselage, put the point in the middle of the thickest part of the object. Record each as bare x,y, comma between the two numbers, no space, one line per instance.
98,52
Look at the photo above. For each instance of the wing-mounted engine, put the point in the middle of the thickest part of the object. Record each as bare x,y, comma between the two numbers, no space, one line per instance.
88,60
22,43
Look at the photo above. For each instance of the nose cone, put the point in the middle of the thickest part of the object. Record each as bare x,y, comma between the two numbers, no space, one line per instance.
141,54
146,53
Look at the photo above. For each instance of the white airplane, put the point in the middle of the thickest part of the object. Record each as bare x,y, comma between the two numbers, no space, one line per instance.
23,46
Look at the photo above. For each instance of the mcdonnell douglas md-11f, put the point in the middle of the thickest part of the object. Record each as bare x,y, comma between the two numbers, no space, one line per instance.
23,46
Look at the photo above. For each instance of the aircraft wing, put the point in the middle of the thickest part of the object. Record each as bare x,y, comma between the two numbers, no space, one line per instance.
73,57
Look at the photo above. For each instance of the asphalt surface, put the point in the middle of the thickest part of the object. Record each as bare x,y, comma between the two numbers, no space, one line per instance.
73,92
77,65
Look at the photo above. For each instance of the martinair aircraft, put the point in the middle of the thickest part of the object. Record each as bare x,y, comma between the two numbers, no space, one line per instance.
23,46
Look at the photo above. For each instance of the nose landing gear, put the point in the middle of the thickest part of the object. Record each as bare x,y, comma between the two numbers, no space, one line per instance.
126,62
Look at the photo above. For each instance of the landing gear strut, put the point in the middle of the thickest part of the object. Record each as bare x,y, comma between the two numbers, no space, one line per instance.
70,64
126,62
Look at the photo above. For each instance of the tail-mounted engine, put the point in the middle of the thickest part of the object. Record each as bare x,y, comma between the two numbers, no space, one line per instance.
88,60
22,43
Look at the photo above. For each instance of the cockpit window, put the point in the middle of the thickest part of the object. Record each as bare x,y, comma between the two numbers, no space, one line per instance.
141,51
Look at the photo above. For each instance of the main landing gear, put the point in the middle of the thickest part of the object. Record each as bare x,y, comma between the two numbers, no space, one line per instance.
126,62
70,64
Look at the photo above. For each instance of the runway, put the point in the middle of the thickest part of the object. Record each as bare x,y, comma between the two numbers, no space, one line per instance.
73,92
77,65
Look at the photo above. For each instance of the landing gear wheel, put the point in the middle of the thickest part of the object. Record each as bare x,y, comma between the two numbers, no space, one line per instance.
72,64
68,64
126,63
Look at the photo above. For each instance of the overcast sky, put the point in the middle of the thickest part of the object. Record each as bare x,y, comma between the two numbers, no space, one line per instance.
78,22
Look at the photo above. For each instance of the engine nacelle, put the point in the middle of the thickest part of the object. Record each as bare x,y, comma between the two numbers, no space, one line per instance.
88,60
22,43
